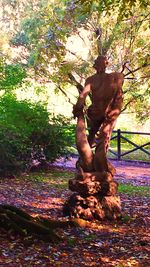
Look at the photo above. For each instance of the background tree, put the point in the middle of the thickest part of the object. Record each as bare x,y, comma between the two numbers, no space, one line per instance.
116,28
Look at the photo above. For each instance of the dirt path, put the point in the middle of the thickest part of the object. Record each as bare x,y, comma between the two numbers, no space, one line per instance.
128,172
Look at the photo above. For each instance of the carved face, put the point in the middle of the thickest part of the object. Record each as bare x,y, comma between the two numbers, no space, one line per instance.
100,64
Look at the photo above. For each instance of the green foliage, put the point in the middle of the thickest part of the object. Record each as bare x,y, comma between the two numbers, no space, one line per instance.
20,39
11,75
13,150
61,137
28,135
47,25
125,7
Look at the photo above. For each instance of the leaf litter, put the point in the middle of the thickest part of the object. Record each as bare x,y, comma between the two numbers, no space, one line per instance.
120,244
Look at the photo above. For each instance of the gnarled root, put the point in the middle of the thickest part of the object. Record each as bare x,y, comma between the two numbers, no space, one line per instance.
20,222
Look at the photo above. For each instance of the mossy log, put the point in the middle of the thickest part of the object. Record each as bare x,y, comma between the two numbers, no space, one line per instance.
20,222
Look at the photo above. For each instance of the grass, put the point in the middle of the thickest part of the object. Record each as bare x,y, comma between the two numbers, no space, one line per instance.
134,190
125,147
59,180
134,156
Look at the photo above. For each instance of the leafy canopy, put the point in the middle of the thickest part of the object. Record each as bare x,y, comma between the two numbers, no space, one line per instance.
48,26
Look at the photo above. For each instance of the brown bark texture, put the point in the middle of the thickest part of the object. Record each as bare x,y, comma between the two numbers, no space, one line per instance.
95,191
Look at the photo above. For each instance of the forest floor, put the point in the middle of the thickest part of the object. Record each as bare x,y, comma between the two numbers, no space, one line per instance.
121,244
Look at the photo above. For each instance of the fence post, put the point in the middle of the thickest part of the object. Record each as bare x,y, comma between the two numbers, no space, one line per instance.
119,143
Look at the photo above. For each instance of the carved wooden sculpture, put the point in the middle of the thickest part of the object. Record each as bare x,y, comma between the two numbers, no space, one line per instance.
95,188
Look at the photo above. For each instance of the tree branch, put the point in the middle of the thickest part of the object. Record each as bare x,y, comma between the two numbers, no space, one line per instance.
77,84
64,93
98,33
126,105
143,77
143,66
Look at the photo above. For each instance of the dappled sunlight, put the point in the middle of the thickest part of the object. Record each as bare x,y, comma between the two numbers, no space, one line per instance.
35,197
78,45
131,171
47,53
58,183
103,243
48,203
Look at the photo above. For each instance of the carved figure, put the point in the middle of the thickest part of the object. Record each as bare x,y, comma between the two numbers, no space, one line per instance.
107,99
93,182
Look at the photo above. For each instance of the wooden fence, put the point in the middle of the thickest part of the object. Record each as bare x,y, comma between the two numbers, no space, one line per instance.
120,136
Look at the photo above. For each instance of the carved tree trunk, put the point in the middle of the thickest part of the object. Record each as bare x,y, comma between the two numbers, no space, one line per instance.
94,187
83,147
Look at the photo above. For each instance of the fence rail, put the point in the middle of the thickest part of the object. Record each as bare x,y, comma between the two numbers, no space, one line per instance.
120,136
